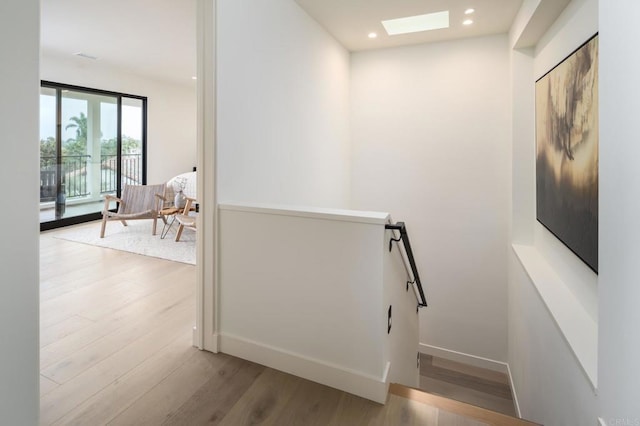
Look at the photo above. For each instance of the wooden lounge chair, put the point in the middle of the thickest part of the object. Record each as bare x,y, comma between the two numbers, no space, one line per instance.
137,202
184,219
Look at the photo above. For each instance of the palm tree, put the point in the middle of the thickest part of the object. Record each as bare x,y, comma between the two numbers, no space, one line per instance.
78,145
80,124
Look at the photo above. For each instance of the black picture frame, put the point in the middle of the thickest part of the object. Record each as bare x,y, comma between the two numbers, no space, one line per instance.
567,151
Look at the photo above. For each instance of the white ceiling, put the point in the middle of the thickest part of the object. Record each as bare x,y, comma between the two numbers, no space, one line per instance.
351,21
157,38
154,38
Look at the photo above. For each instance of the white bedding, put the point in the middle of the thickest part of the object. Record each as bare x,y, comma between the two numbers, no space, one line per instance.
189,181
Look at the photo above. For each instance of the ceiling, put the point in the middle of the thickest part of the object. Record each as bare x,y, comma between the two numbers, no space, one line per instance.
351,21
157,38
154,38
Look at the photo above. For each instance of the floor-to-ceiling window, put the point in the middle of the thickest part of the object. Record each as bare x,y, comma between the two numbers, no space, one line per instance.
92,142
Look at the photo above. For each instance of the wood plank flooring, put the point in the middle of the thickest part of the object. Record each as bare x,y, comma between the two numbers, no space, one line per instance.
113,326
454,408
473,385
116,350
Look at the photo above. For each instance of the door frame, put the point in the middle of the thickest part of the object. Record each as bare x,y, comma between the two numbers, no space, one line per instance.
205,334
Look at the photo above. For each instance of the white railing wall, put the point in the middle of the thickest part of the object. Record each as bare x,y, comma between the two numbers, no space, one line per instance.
400,292
307,291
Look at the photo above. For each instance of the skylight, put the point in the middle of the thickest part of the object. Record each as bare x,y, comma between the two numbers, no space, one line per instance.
414,24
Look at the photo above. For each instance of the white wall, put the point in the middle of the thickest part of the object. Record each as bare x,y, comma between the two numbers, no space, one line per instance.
171,119
401,342
282,100
317,271
19,84
430,129
619,289
307,292
551,384
576,25
523,185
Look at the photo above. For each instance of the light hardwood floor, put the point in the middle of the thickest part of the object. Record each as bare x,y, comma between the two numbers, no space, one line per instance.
473,385
116,349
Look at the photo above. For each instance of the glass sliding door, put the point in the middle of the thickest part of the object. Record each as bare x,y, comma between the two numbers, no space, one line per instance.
84,153
108,158
49,153
132,137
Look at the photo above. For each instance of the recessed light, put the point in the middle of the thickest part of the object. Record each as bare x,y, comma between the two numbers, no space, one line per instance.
469,11
373,35
414,24
194,78
467,22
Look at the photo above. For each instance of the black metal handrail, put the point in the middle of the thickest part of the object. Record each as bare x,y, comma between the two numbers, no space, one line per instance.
404,236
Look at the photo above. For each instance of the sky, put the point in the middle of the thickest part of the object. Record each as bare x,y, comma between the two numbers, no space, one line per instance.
131,118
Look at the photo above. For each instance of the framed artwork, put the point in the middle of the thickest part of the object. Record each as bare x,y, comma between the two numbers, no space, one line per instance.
567,152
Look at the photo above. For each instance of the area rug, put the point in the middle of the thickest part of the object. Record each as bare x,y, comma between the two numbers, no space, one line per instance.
136,238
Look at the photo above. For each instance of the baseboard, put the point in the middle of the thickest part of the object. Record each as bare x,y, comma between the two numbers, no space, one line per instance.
354,382
195,338
211,343
464,358
514,395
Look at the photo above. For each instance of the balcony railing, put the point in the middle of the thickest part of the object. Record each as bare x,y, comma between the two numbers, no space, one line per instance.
75,168
74,176
131,171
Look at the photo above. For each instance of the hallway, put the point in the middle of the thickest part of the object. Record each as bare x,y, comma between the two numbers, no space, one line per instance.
116,349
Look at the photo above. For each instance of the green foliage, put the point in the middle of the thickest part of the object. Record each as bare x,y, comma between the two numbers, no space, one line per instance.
129,146
74,147
78,146
48,147
80,124
74,170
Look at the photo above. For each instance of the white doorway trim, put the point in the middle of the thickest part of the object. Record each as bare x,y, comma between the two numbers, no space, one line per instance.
205,332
